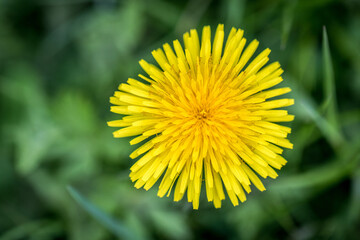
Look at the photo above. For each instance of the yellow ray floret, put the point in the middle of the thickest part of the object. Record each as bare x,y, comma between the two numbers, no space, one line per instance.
206,115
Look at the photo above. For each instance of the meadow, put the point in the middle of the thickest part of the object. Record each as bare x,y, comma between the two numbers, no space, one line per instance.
64,176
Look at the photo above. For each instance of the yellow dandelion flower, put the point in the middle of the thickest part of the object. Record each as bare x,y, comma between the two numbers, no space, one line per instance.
205,115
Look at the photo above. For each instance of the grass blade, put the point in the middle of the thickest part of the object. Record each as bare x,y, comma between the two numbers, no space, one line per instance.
111,224
328,130
325,175
307,108
329,84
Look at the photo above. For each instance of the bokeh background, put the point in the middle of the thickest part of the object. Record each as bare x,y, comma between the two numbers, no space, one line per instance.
61,60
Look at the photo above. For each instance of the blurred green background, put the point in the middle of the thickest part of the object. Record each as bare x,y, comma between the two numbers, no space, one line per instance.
60,60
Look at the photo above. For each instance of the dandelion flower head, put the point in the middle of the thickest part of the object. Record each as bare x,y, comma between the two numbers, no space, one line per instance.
203,117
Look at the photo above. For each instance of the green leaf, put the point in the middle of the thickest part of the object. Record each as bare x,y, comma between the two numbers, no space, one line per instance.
306,107
354,205
324,175
329,84
328,130
111,224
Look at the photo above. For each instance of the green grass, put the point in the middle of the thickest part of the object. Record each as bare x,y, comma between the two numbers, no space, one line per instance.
61,60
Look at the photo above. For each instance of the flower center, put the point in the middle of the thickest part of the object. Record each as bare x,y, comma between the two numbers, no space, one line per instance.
202,114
